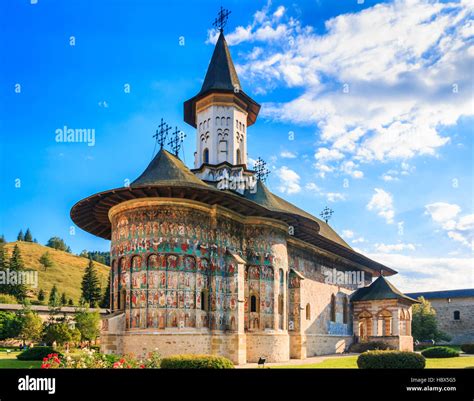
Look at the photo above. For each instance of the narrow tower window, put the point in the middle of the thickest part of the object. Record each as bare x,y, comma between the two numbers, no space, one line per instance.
237,156
205,156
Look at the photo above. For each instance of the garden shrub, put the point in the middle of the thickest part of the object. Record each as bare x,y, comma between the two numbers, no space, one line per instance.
370,346
468,348
36,353
439,352
196,362
390,360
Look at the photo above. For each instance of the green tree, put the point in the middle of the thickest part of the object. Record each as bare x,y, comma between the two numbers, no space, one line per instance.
87,322
2,239
70,302
57,332
19,289
63,299
91,292
424,323
10,325
3,266
20,236
31,325
105,302
46,260
28,236
41,295
54,297
57,243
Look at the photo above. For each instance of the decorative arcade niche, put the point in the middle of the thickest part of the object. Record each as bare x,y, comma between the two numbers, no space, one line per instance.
258,298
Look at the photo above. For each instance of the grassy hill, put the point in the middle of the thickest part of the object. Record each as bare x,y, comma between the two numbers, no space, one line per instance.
66,272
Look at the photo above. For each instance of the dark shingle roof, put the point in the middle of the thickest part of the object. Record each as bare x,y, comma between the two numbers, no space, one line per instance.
379,289
468,292
221,74
167,169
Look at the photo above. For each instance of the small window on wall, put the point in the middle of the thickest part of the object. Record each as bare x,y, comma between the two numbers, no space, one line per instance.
333,308
308,312
239,160
253,304
205,156
457,315
204,301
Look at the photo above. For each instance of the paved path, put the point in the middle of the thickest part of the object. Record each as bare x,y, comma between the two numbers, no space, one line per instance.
307,361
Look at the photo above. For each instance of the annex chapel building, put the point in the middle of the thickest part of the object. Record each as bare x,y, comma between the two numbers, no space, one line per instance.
234,270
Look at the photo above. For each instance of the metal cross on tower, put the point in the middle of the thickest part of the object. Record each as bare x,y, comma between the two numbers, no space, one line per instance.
221,20
261,170
176,140
162,133
326,214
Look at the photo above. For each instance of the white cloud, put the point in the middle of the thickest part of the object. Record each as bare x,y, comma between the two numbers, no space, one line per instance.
382,203
311,186
348,234
288,155
289,181
279,12
358,240
388,248
384,96
460,229
335,196
427,274
350,168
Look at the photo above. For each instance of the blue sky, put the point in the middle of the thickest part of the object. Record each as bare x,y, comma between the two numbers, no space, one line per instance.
366,108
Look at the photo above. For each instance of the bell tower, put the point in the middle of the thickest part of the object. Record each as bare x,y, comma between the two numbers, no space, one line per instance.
221,112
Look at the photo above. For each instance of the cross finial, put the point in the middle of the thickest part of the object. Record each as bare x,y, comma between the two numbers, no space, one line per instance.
176,140
326,214
221,20
162,133
261,170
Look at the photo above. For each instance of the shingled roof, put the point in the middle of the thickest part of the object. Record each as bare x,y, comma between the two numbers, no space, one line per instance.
463,293
221,77
381,288
221,74
167,169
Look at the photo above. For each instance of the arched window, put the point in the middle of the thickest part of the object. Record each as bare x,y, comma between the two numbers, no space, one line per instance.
457,315
205,156
222,151
228,121
308,312
253,303
237,157
345,311
333,308
204,300
200,127
280,304
217,121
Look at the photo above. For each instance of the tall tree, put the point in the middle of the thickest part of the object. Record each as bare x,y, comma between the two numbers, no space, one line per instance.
105,303
21,236
63,299
425,324
31,324
2,239
46,260
57,243
88,323
91,292
16,265
4,288
28,236
54,297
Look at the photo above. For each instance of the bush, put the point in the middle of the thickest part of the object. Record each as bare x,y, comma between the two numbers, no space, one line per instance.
439,352
468,348
36,353
196,362
7,299
390,360
370,346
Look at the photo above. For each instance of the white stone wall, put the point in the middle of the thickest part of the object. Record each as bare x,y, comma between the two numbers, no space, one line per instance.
219,123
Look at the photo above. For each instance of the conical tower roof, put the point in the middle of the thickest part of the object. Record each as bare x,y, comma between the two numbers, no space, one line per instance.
221,77
221,74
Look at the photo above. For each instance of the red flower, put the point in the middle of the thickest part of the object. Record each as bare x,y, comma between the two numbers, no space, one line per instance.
122,360
142,366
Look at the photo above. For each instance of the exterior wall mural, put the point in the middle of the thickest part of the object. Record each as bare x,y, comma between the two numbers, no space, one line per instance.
170,268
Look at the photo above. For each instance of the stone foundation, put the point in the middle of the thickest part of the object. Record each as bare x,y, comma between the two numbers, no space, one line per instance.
273,346
317,344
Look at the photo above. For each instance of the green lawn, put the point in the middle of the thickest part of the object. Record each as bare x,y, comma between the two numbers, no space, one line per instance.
9,361
350,362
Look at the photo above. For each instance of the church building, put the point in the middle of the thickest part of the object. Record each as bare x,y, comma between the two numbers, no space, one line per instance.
209,261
